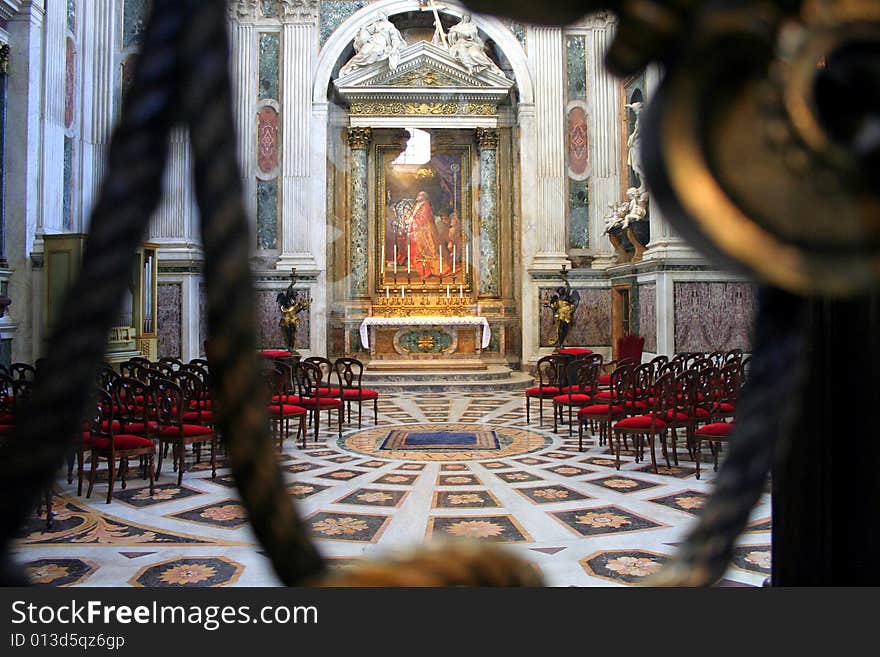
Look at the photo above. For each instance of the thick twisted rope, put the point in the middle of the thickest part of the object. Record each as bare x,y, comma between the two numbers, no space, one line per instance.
126,201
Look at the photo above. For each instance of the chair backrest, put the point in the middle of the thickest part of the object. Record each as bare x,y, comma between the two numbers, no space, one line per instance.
550,370
309,378
192,388
582,375
168,402
701,364
664,395
657,362
642,381
731,381
130,367
100,421
733,356
5,370
621,380
687,392
21,392
630,346
107,376
329,375
746,368
350,372
131,399
692,357
674,366
174,363
23,371
198,371
6,397
201,362
277,380
710,389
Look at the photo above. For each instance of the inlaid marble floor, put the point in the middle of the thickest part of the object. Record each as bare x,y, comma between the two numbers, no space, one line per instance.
578,519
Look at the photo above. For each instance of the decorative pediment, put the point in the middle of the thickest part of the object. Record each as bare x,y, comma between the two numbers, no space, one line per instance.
426,81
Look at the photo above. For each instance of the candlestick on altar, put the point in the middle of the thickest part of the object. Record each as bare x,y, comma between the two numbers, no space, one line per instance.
440,256
447,291
467,258
408,263
403,292
387,292
461,291
453,259
395,260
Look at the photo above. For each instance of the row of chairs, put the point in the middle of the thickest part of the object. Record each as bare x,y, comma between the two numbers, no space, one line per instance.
304,388
635,399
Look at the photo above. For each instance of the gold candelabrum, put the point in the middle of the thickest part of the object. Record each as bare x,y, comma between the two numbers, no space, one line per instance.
408,299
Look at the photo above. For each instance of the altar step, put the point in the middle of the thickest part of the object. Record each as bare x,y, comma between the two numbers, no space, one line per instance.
493,378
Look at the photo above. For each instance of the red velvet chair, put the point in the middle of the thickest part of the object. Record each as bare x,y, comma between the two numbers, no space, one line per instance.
607,409
549,371
649,424
714,432
350,372
282,408
105,441
576,352
582,376
309,380
170,406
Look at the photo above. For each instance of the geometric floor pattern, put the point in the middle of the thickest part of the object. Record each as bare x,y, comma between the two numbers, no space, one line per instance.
581,521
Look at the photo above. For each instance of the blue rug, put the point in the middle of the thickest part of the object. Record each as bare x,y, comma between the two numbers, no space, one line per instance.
440,440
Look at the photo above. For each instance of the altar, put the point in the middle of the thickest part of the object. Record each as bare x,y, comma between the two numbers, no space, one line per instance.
426,342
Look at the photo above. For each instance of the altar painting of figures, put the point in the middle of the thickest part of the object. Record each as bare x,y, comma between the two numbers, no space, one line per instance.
426,222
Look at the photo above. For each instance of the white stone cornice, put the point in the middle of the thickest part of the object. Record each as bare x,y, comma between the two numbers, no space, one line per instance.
9,8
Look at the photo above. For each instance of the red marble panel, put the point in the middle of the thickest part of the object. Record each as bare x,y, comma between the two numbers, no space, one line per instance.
70,85
267,139
128,73
712,316
577,141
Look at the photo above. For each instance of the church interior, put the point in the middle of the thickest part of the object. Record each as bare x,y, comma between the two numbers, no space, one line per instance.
473,319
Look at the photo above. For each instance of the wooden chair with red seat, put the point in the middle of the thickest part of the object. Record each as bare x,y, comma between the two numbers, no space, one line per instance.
549,371
332,384
170,405
350,372
681,413
309,380
606,408
731,381
649,425
23,371
609,367
197,393
281,407
582,375
657,362
574,352
7,405
715,432
106,442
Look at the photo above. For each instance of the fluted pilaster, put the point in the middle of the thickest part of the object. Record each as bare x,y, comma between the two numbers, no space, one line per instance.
243,45
547,53
99,92
298,45
605,156
54,63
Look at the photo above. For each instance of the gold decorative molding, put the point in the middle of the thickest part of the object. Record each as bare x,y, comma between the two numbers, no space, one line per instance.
487,138
422,305
423,109
360,137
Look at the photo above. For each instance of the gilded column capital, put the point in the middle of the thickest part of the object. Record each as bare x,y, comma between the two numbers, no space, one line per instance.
360,137
487,138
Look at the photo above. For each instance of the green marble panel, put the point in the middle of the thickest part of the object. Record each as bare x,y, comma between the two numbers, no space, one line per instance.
134,21
270,46
267,214
429,341
67,199
576,48
334,13
269,8
579,214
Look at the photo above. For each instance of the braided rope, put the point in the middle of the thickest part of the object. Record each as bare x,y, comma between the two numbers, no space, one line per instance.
765,415
207,99
126,201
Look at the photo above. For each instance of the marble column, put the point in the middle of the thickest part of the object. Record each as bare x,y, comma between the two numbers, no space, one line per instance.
299,44
547,61
244,51
175,220
99,91
487,139
23,192
359,139
665,242
604,99
54,70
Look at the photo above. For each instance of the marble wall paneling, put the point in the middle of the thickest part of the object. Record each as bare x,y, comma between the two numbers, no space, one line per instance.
579,214
203,316
134,21
270,47
648,316
592,320
268,317
711,316
70,84
334,13
576,59
170,329
489,276
267,214
67,198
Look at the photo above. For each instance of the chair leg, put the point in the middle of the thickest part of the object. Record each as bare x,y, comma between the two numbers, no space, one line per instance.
527,409
214,457
580,436
697,447
653,453
93,473
569,421
375,411
111,474
180,449
616,446
317,419
79,472
151,473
